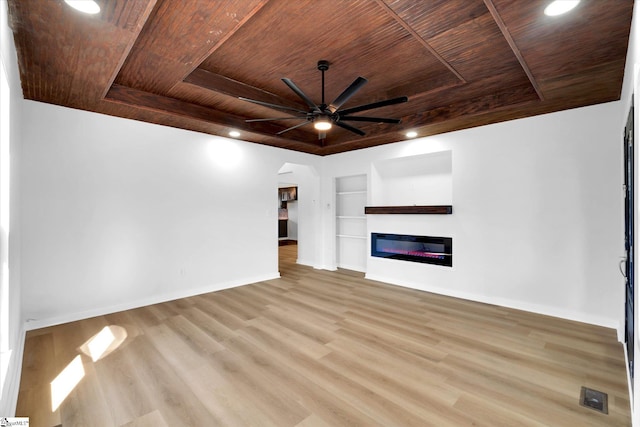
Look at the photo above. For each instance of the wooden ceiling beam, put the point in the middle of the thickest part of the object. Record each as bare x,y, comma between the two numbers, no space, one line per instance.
159,103
197,61
177,37
135,33
416,36
507,35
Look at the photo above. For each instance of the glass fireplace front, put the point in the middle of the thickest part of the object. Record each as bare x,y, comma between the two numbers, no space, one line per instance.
425,249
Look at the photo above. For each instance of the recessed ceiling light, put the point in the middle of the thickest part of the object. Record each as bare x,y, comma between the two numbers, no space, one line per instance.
234,134
411,134
86,6
558,7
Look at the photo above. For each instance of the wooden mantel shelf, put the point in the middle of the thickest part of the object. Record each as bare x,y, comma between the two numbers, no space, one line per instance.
430,209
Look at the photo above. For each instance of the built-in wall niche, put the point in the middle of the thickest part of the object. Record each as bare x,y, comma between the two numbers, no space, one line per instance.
351,225
421,180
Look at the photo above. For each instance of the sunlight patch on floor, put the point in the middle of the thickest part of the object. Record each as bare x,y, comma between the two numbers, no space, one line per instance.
104,342
66,381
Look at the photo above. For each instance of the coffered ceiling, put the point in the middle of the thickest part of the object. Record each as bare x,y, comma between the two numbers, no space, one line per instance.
461,63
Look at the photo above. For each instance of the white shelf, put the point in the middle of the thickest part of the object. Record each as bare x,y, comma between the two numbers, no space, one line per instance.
344,193
351,223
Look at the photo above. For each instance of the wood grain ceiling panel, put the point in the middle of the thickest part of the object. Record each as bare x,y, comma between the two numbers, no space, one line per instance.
68,58
557,47
463,63
430,18
286,39
190,32
467,37
587,85
477,50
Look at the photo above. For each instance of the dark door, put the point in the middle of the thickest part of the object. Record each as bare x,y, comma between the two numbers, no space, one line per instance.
629,222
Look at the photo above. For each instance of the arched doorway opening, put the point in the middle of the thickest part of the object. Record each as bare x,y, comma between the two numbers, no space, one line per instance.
298,192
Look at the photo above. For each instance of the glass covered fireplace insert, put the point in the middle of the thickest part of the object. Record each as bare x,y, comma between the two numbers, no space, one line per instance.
425,249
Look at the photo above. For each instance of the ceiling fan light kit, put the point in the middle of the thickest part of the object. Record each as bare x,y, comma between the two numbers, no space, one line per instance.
322,123
324,116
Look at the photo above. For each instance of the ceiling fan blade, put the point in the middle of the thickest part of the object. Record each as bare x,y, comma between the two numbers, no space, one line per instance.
370,119
275,118
301,94
373,105
347,93
276,106
293,127
350,128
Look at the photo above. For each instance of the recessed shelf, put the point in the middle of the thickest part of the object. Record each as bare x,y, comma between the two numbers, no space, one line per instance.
429,209
344,193
350,222
420,180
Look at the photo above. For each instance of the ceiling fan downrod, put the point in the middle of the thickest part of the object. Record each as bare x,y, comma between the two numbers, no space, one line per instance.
323,66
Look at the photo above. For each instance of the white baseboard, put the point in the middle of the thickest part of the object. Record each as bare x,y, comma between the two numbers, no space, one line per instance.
14,374
504,302
331,267
304,262
31,324
326,267
315,266
352,267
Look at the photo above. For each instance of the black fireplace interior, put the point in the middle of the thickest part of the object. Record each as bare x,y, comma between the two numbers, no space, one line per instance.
425,249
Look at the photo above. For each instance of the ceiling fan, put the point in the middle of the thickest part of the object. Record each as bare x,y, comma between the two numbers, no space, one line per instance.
323,116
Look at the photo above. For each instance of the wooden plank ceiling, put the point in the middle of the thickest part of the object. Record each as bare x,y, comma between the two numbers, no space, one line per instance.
461,63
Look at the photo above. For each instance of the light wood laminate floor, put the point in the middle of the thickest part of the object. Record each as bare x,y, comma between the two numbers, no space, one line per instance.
319,348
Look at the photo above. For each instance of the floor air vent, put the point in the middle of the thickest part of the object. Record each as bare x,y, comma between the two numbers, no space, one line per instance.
594,399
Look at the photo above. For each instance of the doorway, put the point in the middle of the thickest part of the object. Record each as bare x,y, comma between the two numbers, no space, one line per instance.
287,214
298,192
629,225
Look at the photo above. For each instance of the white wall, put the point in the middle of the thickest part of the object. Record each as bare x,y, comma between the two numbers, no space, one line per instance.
11,319
537,218
119,213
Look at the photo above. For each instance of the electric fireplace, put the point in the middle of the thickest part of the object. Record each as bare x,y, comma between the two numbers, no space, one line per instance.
425,249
